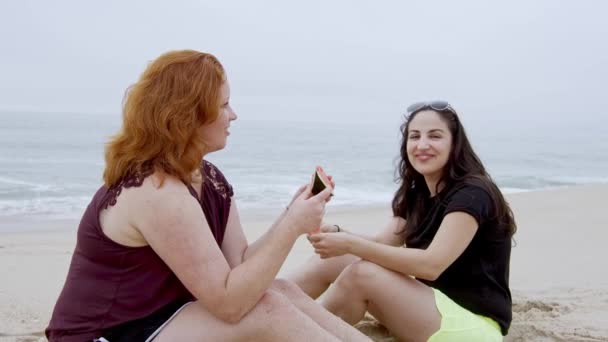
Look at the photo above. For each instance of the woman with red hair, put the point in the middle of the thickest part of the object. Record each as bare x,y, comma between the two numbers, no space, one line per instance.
161,253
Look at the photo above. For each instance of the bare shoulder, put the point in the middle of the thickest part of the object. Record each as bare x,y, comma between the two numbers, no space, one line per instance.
154,199
138,208
156,188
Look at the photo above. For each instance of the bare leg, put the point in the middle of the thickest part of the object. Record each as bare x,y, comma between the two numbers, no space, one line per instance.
274,318
316,274
404,305
318,313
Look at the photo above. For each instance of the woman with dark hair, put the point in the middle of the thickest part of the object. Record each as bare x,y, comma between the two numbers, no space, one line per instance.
439,271
161,253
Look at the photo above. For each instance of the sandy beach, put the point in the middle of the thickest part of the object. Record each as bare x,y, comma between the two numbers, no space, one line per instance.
558,266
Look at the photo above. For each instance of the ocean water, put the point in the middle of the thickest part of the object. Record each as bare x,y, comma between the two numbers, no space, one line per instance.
51,163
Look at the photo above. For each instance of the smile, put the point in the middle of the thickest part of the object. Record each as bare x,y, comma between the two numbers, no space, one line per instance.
424,157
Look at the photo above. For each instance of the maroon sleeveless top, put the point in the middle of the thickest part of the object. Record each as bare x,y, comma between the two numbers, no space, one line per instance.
109,284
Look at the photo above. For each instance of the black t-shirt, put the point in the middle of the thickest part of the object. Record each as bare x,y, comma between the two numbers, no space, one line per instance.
478,279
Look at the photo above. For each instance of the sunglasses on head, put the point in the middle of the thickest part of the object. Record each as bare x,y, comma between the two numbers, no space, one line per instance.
434,105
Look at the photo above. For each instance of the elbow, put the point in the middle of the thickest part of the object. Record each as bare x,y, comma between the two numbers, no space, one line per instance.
232,317
430,276
224,309
432,271
230,314
232,311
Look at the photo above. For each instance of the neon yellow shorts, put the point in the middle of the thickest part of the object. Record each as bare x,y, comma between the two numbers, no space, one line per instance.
460,325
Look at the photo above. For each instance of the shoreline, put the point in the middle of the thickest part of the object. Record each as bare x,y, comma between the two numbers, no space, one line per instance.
27,223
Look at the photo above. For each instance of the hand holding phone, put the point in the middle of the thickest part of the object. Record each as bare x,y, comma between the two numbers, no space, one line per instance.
319,181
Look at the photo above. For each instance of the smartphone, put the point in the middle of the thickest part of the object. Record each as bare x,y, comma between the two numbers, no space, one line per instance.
319,181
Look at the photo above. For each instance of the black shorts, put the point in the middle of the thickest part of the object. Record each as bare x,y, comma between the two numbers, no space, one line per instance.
143,329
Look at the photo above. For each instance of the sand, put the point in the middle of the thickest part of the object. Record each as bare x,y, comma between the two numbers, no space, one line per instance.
558,267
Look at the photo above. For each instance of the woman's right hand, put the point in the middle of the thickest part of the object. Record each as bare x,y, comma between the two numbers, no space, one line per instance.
305,213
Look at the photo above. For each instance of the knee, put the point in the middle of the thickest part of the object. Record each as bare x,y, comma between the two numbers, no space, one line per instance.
271,309
274,303
287,288
358,274
268,315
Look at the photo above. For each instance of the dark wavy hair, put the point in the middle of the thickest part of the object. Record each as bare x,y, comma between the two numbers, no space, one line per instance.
463,167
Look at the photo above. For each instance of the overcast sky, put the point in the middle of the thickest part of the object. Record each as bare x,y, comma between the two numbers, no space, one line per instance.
324,58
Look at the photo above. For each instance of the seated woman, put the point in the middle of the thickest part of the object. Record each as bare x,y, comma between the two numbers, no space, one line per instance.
161,253
439,271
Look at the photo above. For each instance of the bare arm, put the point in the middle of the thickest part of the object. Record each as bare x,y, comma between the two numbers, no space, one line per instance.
178,232
389,235
235,245
235,242
454,235
255,246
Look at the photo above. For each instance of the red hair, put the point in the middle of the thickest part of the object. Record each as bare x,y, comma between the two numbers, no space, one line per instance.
162,114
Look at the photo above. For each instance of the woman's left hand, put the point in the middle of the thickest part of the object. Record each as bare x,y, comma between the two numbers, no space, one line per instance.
329,245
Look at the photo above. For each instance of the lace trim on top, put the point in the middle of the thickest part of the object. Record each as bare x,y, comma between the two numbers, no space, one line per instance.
220,185
134,180
209,171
